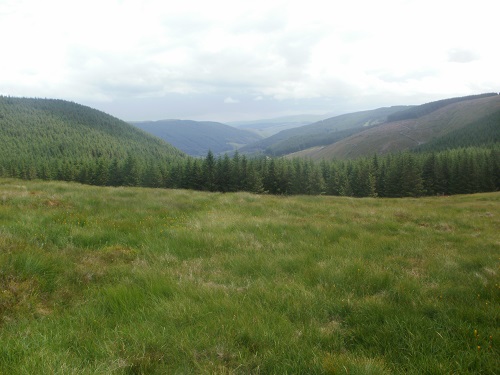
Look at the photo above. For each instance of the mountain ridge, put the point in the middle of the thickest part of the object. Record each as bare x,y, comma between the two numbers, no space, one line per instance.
318,133
271,126
409,133
196,138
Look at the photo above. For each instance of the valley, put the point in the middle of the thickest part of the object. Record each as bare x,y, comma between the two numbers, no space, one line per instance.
121,253
249,188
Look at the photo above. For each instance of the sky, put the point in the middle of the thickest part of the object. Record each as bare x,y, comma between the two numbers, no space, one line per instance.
241,60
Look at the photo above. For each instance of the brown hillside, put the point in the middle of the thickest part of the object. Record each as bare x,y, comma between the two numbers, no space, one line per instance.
402,135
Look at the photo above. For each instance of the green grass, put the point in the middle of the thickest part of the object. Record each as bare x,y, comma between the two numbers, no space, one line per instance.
142,281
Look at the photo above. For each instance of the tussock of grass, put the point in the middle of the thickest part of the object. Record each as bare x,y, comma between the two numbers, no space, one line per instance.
135,281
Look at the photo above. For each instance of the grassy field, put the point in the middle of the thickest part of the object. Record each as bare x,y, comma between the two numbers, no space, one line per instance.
142,281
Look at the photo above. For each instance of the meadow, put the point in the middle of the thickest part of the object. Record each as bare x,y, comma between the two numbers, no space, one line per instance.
97,280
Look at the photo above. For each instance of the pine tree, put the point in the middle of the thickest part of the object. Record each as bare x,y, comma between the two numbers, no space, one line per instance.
411,178
187,175
316,183
223,174
333,182
236,176
152,176
254,182
209,172
196,180
429,175
393,178
115,173
101,177
345,188
131,171
271,178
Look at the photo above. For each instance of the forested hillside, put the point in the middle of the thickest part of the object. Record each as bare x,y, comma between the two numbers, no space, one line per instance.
460,122
425,109
483,132
320,133
57,139
197,137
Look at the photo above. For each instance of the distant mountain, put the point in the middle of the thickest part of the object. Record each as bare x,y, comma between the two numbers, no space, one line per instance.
196,138
321,133
450,123
269,127
57,139
424,109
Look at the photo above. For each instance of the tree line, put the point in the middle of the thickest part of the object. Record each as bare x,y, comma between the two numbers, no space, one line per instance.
407,174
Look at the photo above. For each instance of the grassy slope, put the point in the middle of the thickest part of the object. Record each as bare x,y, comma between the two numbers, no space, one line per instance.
127,280
406,134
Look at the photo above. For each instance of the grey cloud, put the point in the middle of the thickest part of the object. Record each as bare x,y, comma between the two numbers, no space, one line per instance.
231,100
462,55
212,107
394,77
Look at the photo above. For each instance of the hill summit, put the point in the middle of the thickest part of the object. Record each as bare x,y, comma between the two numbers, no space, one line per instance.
450,123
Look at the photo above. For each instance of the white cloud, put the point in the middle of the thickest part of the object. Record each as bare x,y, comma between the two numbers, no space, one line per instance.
361,53
230,100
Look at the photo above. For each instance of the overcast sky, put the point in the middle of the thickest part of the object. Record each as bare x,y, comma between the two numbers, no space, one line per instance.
242,60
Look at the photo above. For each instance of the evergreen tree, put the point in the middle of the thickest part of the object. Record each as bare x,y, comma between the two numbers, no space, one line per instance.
209,172
429,175
443,174
236,175
187,175
345,188
131,171
333,182
393,184
152,176
363,181
254,182
316,183
101,177
115,173
411,178
223,174
196,180
271,178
